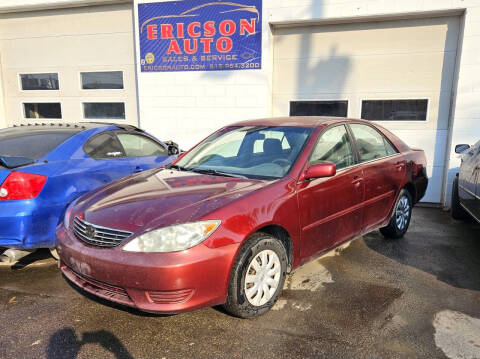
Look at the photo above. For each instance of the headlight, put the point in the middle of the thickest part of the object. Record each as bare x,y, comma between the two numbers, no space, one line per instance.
173,238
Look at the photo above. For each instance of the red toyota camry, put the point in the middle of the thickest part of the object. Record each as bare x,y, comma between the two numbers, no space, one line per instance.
229,219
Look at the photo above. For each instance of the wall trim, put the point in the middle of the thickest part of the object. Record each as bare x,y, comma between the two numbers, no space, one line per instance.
57,4
367,18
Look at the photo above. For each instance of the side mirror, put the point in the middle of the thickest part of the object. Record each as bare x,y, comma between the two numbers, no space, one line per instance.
461,148
172,148
320,170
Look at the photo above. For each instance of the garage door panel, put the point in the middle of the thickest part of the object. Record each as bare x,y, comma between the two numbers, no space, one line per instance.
388,60
281,103
69,80
111,19
437,111
109,49
432,142
365,73
417,36
67,42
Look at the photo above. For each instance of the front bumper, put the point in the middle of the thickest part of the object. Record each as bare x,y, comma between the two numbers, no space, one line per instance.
153,282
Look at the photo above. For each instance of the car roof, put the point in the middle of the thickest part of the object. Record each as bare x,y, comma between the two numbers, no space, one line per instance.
297,121
73,128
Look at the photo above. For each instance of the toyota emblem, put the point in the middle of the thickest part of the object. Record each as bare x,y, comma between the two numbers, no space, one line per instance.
90,232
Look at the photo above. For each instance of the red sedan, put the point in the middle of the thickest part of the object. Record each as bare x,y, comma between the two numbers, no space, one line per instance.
230,218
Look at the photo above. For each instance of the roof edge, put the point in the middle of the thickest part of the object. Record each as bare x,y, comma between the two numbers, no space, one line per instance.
17,6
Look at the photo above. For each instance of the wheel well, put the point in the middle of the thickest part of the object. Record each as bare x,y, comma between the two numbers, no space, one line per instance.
281,233
413,192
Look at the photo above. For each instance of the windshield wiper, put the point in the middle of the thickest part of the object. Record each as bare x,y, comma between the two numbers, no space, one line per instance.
215,173
177,167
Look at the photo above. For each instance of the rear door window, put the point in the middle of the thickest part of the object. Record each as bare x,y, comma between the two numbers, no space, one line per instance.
104,146
30,143
371,144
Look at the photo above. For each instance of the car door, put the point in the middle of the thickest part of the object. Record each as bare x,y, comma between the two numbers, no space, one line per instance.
468,178
106,160
476,206
384,171
330,208
143,152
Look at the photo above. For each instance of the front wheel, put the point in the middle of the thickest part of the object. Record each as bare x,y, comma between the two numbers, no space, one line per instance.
402,212
54,253
257,277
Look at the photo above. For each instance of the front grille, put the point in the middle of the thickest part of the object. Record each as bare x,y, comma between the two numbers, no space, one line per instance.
98,235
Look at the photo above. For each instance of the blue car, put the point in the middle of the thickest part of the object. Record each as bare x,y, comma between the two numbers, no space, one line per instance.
44,167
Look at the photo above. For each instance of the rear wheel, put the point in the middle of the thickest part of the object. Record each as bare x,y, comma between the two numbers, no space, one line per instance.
400,220
457,210
257,277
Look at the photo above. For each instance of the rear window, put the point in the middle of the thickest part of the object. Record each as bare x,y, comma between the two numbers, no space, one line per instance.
32,144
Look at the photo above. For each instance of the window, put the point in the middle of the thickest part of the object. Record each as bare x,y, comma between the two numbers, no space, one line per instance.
319,108
394,110
42,110
258,146
334,146
104,110
370,143
140,146
102,80
30,142
390,149
47,81
273,159
104,145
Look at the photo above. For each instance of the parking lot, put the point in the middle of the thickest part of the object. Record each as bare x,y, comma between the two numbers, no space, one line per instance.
418,297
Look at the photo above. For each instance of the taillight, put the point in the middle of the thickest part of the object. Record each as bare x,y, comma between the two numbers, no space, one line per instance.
20,185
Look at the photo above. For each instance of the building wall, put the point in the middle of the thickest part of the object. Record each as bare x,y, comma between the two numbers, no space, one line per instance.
67,41
188,106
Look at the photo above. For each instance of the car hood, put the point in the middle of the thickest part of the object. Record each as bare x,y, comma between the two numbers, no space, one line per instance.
160,198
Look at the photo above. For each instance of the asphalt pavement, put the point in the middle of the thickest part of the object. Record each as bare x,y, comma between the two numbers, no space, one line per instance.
417,297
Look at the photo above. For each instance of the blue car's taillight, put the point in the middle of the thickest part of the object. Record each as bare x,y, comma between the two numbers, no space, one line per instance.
21,185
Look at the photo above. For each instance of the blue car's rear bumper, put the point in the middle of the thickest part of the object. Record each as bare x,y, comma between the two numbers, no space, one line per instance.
27,224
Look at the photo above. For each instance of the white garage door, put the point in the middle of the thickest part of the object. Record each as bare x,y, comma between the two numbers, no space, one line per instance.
399,73
69,65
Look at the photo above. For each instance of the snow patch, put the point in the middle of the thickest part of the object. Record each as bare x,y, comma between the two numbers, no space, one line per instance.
457,334
280,304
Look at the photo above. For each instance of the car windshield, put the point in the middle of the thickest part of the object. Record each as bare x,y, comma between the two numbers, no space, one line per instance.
260,152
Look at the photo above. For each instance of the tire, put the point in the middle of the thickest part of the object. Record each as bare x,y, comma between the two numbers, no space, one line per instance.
244,304
54,253
457,210
402,213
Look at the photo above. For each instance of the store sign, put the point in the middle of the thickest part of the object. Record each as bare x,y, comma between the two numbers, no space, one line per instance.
199,35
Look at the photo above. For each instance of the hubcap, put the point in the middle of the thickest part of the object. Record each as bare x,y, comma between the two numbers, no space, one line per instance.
262,278
402,213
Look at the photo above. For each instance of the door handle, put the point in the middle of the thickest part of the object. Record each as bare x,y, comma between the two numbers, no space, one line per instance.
400,166
356,181
138,169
